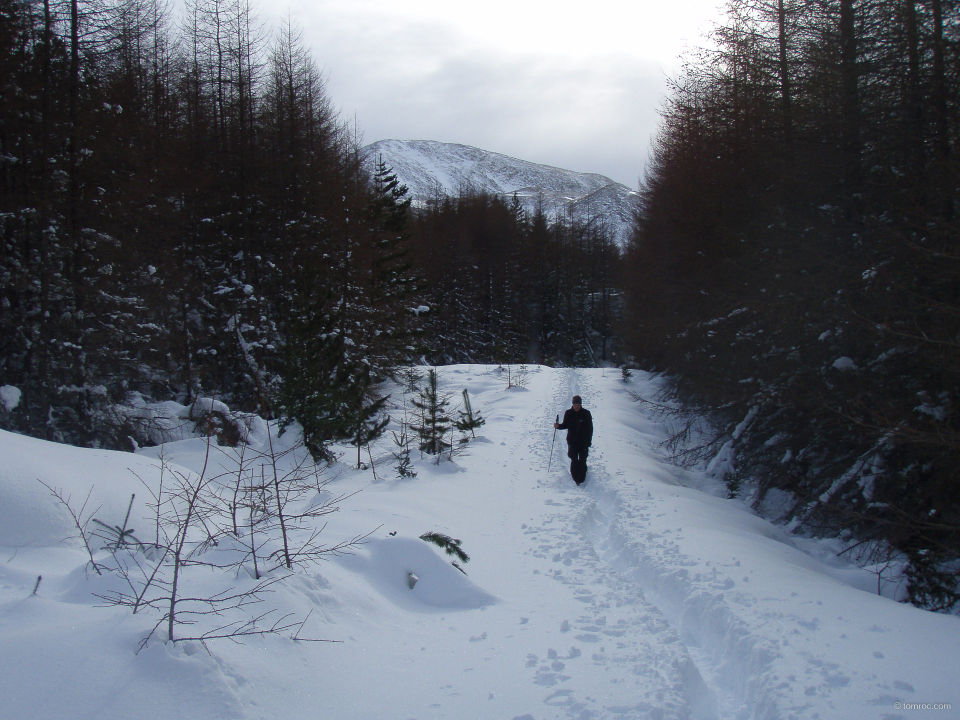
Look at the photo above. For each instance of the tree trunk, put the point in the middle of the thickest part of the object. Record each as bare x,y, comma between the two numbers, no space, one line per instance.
77,270
850,110
43,349
785,101
914,114
941,128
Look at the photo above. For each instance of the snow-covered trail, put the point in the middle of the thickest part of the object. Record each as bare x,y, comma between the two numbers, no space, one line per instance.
635,596
777,627
570,637
600,650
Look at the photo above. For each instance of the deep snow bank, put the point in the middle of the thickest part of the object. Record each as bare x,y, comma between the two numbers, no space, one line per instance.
633,596
778,632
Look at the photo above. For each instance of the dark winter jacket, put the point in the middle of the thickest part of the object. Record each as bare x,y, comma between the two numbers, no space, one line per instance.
579,427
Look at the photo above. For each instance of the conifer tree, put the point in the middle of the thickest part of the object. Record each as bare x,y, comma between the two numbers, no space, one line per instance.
469,420
402,455
392,281
367,417
800,165
434,421
324,390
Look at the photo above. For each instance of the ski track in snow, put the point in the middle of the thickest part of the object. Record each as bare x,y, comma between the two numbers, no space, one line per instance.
739,652
631,597
657,673
611,523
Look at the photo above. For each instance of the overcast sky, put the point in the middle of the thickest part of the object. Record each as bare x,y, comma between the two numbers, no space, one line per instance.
576,85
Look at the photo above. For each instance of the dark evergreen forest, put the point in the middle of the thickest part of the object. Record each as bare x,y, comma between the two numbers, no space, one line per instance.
796,270
512,288
184,215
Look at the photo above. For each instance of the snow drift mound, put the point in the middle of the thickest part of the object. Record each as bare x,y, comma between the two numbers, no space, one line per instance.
31,517
387,565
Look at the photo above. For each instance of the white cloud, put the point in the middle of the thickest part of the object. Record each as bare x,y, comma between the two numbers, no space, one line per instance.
562,83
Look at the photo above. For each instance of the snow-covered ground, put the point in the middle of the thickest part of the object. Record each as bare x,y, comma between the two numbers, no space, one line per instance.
633,596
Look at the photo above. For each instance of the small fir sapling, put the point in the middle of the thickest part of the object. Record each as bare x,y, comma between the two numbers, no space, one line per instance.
733,479
409,377
402,456
435,423
255,497
469,420
118,536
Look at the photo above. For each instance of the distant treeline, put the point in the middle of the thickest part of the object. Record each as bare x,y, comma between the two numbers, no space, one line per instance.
512,288
796,269
183,214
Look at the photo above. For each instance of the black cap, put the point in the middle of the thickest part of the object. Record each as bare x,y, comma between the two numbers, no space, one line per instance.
577,400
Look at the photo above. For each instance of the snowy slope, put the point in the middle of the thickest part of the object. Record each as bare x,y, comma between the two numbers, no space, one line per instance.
635,596
431,168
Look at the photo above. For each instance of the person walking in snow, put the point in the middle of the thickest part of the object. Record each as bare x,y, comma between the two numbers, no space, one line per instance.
578,423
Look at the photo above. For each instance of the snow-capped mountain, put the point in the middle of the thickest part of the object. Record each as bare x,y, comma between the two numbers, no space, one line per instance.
430,169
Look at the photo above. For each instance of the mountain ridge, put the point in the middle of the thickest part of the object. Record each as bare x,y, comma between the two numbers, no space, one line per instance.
432,169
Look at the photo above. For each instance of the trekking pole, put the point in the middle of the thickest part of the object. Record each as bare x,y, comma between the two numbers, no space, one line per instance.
551,447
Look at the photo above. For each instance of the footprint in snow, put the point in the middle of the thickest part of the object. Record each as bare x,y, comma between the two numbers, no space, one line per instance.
559,698
547,678
572,655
